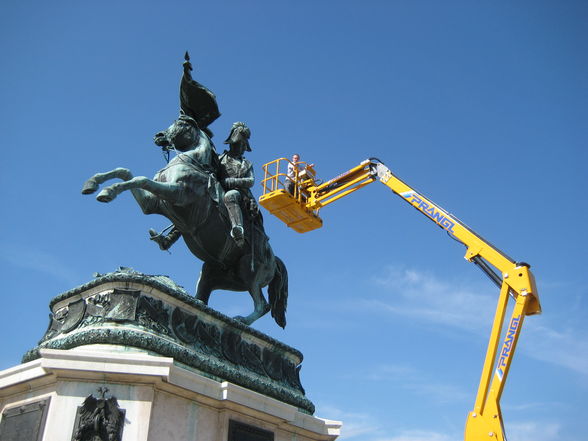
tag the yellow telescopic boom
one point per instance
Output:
(297, 199)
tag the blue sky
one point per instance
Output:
(481, 105)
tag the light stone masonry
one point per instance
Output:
(163, 400)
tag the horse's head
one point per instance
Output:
(186, 137)
(182, 135)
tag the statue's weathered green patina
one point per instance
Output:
(152, 314)
(207, 198)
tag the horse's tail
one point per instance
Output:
(278, 293)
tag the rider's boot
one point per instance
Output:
(165, 242)
(236, 217)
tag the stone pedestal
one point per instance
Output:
(130, 357)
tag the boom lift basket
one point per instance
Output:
(290, 208)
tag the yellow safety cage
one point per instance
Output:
(286, 196)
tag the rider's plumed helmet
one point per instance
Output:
(239, 133)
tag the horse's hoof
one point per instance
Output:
(90, 186)
(105, 196)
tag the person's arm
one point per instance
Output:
(246, 181)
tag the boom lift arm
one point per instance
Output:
(299, 210)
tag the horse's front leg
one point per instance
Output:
(145, 199)
(176, 194)
(91, 185)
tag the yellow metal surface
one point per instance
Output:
(285, 207)
(321, 195)
(485, 421)
(298, 211)
(481, 428)
(290, 208)
(520, 279)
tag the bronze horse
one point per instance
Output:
(187, 192)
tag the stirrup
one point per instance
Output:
(162, 241)
(238, 235)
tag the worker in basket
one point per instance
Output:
(297, 169)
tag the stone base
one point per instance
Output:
(134, 311)
(157, 398)
(133, 357)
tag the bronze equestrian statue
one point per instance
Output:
(207, 198)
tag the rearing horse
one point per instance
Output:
(189, 195)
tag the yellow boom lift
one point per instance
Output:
(299, 208)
